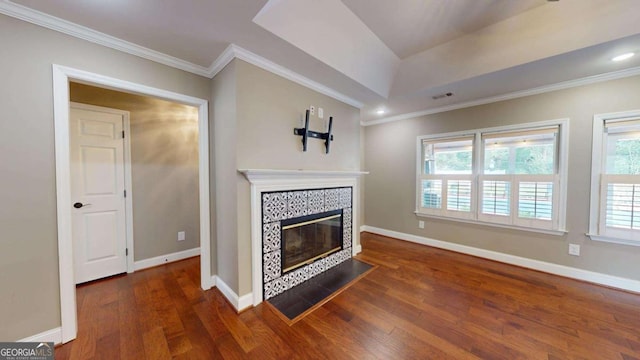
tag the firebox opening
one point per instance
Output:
(308, 238)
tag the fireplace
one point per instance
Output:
(304, 233)
(280, 195)
(309, 238)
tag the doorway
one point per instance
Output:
(61, 78)
(100, 168)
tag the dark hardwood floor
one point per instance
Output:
(420, 303)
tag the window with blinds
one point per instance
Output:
(459, 195)
(519, 174)
(623, 206)
(496, 197)
(446, 177)
(617, 168)
(508, 176)
(535, 200)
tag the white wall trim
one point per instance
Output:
(239, 303)
(282, 71)
(81, 32)
(61, 77)
(245, 301)
(555, 269)
(223, 60)
(165, 259)
(231, 52)
(512, 95)
(53, 335)
(597, 205)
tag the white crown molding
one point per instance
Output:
(231, 52)
(551, 268)
(223, 60)
(66, 27)
(513, 95)
(263, 63)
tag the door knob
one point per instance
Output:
(78, 205)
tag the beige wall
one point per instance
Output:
(223, 114)
(29, 299)
(267, 109)
(164, 168)
(390, 155)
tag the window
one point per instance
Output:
(615, 178)
(509, 176)
(447, 176)
(518, 177)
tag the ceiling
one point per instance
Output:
(391, 55)
(412, 26)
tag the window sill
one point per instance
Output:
(503, 226)
(613, 240)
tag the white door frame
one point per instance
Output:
(61, 77)
(128, 183)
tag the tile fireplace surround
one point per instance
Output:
(284, 194)
(282, 205)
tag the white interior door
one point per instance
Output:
(97, 193)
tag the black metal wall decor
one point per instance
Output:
(306, 133)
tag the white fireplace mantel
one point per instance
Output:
(265, 180)
(266, 175)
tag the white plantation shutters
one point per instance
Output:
(519, 176)
(509, 176)
(622, 209)
(459, 195)
(535, 199)
(446, 177)
(496, 197)
(618, 196)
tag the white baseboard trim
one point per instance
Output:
(555, 269)
(165, 259)
(245, 301)
(357, 249)
(238, 303)
(53, 335)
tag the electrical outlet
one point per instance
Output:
(181, 235)
(320, 113)
(574, 249)
(421, 224)
(312, 110)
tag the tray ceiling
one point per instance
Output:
(394, 55)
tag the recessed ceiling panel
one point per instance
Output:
(330, 32)
(412, 26)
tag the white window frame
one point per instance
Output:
(557, 226)
(597, 208)
(444, 178)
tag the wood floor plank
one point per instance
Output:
(420, 303)
(155, 344)
(303, 340)
(239, 330)
(341, 337)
